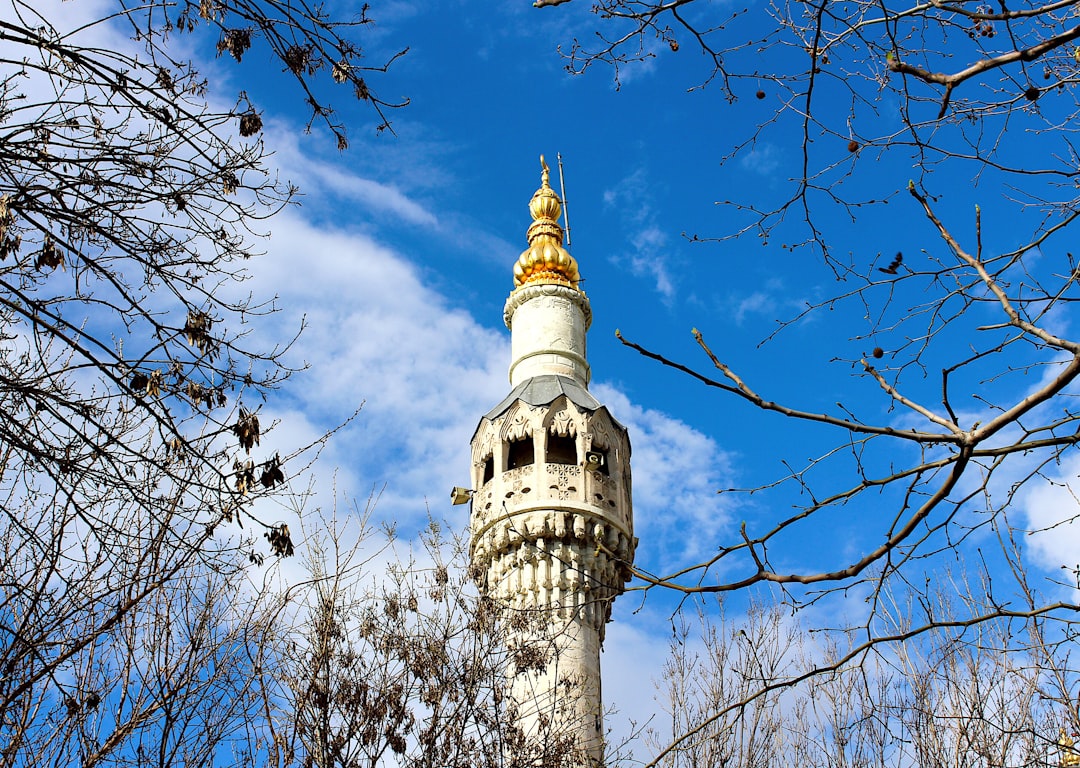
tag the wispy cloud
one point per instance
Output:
(756, 302)
(376, 333)
(649, 250)
(677, 473)
(763, 159)
(649, 261)
(376, 196)
(1053, 515)
(329, 181)
(773, 300)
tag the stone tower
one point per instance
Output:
(552, 537)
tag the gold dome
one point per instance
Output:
(545, 260)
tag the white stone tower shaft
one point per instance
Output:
(552, 521)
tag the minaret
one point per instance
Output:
(552, 525)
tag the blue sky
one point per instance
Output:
(400, 255)
(398, 259)
(441, 208)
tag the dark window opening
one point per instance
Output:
(520, 453)
(561, 450)
(489, 469)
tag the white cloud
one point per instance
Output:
(756, 302)
(376, 333)
(380, 197)
(91, 20)
(1052, 508)
(339, 185)
(631, 196)
(763, 159)
(677, 472)
(650, 253)
(650, 261)
(773, 301)
(632, 665)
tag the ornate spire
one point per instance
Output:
(545, 260)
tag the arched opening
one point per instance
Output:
(489, 470)
(519, 453)
(561, 449)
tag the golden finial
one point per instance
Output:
(1067, 750)
(545, 260)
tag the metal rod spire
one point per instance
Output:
(562, 193)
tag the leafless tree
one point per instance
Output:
(964, 359)
(130, 201)
(170, 681)
(981, 694)
(395, 659)
(920, 307)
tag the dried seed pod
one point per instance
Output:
(250, 124)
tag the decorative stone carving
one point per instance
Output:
(517, 425)
(563, 423)
(522, 295)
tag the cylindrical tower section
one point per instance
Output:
(554, 675)
(547, 325)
